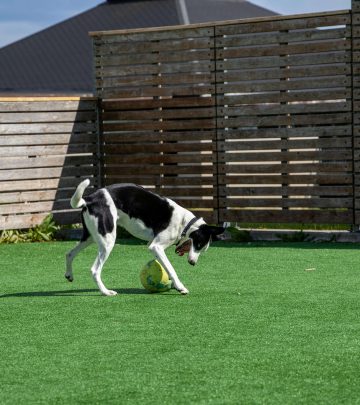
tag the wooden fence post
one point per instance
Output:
(355, 37)
(100, 161)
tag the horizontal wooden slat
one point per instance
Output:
(142, 115)
(40, 139)
(156, 148)
(149, 169)
(46, 161)
(261, 168)
(47, 117)
(31, 220)
(303, 108)
(283, 37)
(288, 73)
(156, 180)
(47, 150)
(114, 160)
(160, 125)
(156, 69)
(287, 202)
(312, 47)
(143, 104)
(160, 80)
(151, 91)
(298, 143)
(286, 190)
(187, 192)
(297, 22)
(326, 179)
(13, 104)
(162, 33)
(47, 128)
(21, 221)
(35, 196)
(276, 156)
(150, 58)
(288, 216)
(147, 46)
(194, 204)
(285, 97)
(283, 61)
(50, 172)
(309, 119)
(34, 207)
(40, 184)
(295, 84)
(163, 136)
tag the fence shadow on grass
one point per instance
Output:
(73, 293)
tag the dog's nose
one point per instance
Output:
(192, 262)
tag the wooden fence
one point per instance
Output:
(47, 145)
(242, 121)
(246, 121)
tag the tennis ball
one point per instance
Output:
(154, 278)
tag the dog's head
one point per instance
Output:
(198, 242)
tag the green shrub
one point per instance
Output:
(45, 232)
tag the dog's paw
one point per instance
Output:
(183, 291)
(69, 277)
(110, 293)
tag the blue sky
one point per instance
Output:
(20, 18)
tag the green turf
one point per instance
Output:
(258, 327)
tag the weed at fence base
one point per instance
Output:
(45, 232)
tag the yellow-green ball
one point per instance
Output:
(154, 278)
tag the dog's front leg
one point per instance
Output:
(159, 252)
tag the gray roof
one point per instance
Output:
(217, 10)
(59, 59)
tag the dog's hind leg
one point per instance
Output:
(70, 256)
(105, 246)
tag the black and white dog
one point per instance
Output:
(147, 216)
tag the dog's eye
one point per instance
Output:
(199, 246)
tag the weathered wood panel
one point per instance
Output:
(47, 145)
(261, 110)
(285, 120)
(158, 113)
(356, 104)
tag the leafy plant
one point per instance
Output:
(44, 232)
(12, 236)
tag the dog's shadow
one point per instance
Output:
(74, 293)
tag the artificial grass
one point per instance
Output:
(258, 327)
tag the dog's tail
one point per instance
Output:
(76, 200)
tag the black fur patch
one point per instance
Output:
(205, 234)
(86, 234)
(96, 205)
(200, 237)
(154, 211)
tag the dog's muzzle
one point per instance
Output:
(183, 248)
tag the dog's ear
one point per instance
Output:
(215, 231)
